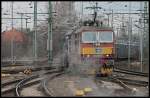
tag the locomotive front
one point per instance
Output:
(97, 46)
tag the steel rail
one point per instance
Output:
(25, 80)
(118, 81)
(122, 83)
(21, 70)
(8, 84)
(130, 81)
(45, 81)
(131, 72)
(133, 82)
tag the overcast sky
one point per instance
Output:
(23, 7)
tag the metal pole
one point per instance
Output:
(12, 54)
(141, 38)
(21, 22)
(26, 24)
(82, 8)
(82, 11)
(145, 32)
(12, 15)
(117, 41)
(50, 34)
(117, 33)
(131, 30)
(35, 31)
(129, 34)
(112, 19)
(51, 48)
(108, 20)
(48, 45)
(6, 28)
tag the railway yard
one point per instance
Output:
(79, 49)
(52, 81)
(56, 83)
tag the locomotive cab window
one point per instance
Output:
(105, 36)
(88, 37)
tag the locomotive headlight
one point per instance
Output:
(107, 55)
(88, 56)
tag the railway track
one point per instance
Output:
(10, 85)
(10, 65)
(128, 90)
(47, 90)
(33, 70)
(13, 70)
(133, 82)
(121, 83)
(130, 72)
(132, 77)
(34, 79)
(130, 81)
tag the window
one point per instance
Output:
(105, 36)
(88, 37)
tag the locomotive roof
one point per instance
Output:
(80, 29)
(92, 28)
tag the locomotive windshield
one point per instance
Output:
(88, 37)
(105, 36)
(92, 37)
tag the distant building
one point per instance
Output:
(13, 41)
(14, 35)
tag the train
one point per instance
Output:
(91, 47)
(122, 51)
(96, 46)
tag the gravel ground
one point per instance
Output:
(140, 90)
(67, 85)
(32, 91)
(8, 95)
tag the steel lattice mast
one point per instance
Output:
(129, 34)
(35, 31)
(50, 34)
(12, 40)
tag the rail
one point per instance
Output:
(24, 81)
(45, 81)
(130, 72)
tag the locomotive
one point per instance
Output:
(91, 46)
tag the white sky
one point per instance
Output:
(23, 7)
